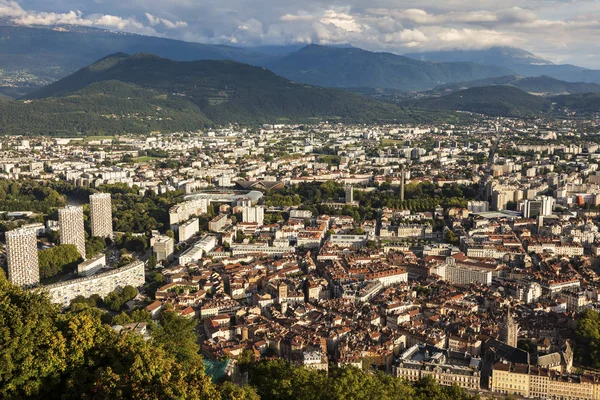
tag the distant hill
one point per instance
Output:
(352, 67)
(497, 55)
(539, 85)
(31, 57)
(144, 92)
(519, 61)
(504, 101)
(584, 103)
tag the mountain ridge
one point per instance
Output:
(143, 93)
(353, 67)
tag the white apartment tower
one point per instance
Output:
(101, 215)
(22, 254)
(70, 222)
(253, 214)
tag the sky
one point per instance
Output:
(563, 31)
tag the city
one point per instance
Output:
(468, 254)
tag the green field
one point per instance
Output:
(145, 159)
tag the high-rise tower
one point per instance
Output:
(70, 221)
(509, 330)
(22, 254)
(402, 179)
(349, 194)
(101, 215)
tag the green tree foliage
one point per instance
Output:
(29, 195)
(48, 355)
(279, 380)
(117, 298)
(139, 315)
(94, 246)
(230, 391)
(58, 259)
(587, 350)
(176, 335)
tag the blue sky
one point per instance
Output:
(562, 31)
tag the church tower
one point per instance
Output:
(509, 330)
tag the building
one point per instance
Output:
(70, 221)
(464, 275)
(183, 211)
(541, 206)
(101, 215)
(22, 255)
(478, 206)
(101, 284)
(499, 200)
(162, 246)
(274, 251)
(543, 383)
(196, 252)
(188, 229)
(218, 223)
(253, 215)
(349, 194)
(91, 266)
(509, 330)
(446, 367)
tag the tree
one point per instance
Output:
(115, 299)
(94, 245)
(231, 391)
(58, 259)
(175, 334)
(152, 261)
(49, 355)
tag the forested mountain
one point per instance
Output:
(505, 101)
(352, 67)
(541, 85)
(34, 56)
(144, 92)
(31, 57)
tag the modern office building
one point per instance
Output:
(101, 215)
(21, 251)
(70, 221)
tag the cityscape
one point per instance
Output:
(413, 250)
(305, 201)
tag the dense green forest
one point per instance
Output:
(47, 354)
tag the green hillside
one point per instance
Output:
(540, 85)
(143, 93)
(505, 101)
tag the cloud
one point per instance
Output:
(12, 10)
(154, 21)
(562, 30)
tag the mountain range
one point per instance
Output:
(143, 93)
(519, 61)
(541, 85)
(31, 57)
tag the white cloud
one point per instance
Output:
(154, 21)
(565, 30)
